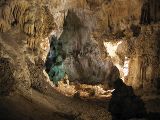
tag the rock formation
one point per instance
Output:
(102, 40)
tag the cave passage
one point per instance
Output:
(79, 59)
(54, 61)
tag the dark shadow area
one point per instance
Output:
(54, 61)
(150, 12)
(124, 104)
(153, 116)
(136, 30)
(51, 57)
(145, 14)
(54, 52)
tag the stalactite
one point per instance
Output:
(35, 21)
(29, 28)
(6, 14)
(4, 26)
(33, 43)
(38, 25)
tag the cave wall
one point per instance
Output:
(24, 25)
(139, 27)
(7, 80)
(82, 37)
(144, 59)
(82, 27)
(31, 18)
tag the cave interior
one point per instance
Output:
(79, 60)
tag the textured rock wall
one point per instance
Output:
(144, 63)
(15, 74)
(32, 18)
(82, 27)
(7, 80)
(23, 26)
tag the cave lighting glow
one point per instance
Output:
(111, 49)
(126, 67)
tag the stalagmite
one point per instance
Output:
(108, 49)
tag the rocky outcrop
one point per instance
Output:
(84, 60)
(124, 104)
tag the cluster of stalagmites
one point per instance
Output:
(32, 19)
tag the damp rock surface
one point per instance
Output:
(101, 40)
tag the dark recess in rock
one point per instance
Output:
(136, 30)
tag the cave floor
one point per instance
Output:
(56, 106)
(37, 106)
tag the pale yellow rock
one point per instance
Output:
(29, 28)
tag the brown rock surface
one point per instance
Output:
(102, 40)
